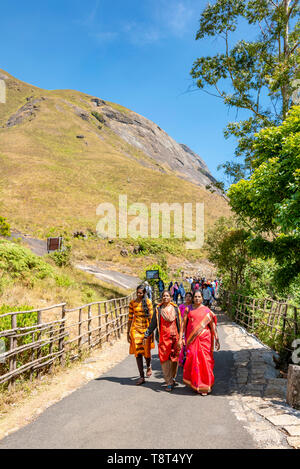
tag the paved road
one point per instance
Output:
(39, 247)
(111, 412)
(112, 276)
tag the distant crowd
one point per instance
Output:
(208, 289)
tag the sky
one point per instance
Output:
(137, 53)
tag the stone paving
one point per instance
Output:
(258, 392)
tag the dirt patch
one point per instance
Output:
(51, 389)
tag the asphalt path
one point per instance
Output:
(111, 412)
(111, 276)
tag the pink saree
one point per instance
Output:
(199, 364)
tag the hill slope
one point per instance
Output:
(63, 152)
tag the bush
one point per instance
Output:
(4, 227)
(62, 258)
(19, 262)
(98, 116)
(23, 320)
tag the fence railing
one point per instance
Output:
(32, 341)
(276, 323)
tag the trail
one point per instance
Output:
(111, 412)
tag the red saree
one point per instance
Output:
(199, 364)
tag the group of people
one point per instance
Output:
(186, 335)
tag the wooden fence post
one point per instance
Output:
(284, 324)
(51, 346)
(13, 343)
(39, 336)
(89, 324)
(117, 313)
(99, 323)
(61, 342)
(79, 329)
(106, 321)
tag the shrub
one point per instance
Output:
(4, 227)
(62, 258)
(98, 116)
(20, 262)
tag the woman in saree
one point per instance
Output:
(200, 329)
(167, 320)
(185, 307)
(140, 314)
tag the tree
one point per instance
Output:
(270, 199)
(257, 76)
(226, 244)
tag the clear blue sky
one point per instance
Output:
(137, 53)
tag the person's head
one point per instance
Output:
(142, 296)
(188, 299)
(140, 291)
(166, 297)
(197, 298)
(204, 285)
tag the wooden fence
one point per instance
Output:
(276, 323)
(31, 348)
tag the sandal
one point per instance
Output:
(140, 381)
(149, 372)
(169, 387)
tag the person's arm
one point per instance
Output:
(213, 328)
(183, 327)
(152, 327)
(130, 319)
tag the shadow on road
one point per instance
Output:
(223, 363)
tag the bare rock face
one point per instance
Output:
(157, 144)
(26, 112)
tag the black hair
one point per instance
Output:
(144, 300)
(196, 291)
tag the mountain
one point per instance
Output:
(62, 152)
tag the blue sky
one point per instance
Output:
(135, 53)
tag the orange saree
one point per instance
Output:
(199, 364)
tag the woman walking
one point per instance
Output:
(167, 320)
(185, 308)
(140, 314)
(200, 329)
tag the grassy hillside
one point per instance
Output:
(51, 182)
(29, 280)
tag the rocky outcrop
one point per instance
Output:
(157, 144)
(26, 112)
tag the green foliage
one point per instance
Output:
(4, 227)
(227, 249)
(270, 198)
(162, 267)
(19, 262)
(265, 66)
(98, 116)
(23, 320)
(170, 245)
(62, 258)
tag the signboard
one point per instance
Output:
(152, 274)
(54, 244)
